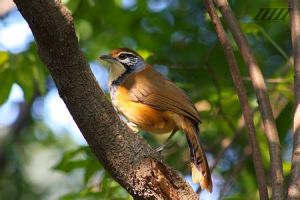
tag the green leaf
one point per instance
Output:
(40, 78)
(72, 4)
(6, 82)
(286, 168)
(74, 159)
(4, 56)
(92, 167)
(70, 165)
(24, 75)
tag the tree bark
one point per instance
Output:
(294, 186)
(128, 158)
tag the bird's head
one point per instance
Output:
(123, 61)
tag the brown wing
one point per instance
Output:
(151, 88)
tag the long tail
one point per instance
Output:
(200, 169)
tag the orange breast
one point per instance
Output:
(144, 116)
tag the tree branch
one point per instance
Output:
(294, 187)
(263, 99)
(124, 154)
(241, 91)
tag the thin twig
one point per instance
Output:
(294, 187)
(263, 99)
(272, 80)
(241, 91)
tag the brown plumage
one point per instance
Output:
(147, 99)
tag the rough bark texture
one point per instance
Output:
(124, 154)
(260, 88)
(294, 187)
(241, 91)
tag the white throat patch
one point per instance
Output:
(115, 71)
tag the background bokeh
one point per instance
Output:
(43, 154)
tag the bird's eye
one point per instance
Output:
(122, 56)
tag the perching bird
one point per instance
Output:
(154, 104)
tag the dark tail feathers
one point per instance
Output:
(200, 169)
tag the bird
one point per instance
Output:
(154, 104)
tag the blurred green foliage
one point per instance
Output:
(179, 38)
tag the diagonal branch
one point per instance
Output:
(263, 99)
(294, 187)
(124, 154)
(241, 91)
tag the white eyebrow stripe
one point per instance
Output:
(125, 52)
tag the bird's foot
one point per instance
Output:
(167, 143)
(132, 126)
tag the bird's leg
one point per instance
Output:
(132, 126)
(129, 124)
(167, 142)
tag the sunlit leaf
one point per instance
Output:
(4, 56)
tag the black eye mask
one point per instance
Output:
(128, 64)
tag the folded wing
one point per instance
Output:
(161, 94)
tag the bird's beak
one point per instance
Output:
(107, 58)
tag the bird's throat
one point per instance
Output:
(118, 72)
(115, 72)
